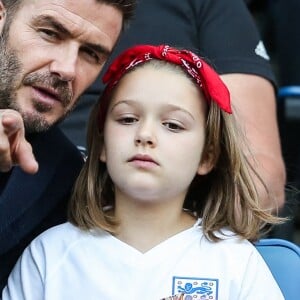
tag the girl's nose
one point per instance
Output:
(145, 137)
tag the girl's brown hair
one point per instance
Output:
(226, 197)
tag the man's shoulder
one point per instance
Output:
(55, 146)
(53, 138)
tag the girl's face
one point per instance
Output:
(154, 135)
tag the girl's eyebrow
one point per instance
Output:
(168, 107)
(59, 27)
(128, 102)
(172, 107)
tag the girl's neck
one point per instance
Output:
(145, 226)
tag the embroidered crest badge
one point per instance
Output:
(194, 288)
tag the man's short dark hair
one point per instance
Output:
(126, 7)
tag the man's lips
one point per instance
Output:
(48, 92)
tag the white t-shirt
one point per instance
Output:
(66, 263)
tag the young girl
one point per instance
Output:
(165, 207)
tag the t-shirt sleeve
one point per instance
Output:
(26, 279)
(258, 282)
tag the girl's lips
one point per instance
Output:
(143, 157)
(143, 161)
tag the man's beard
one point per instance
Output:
(11, 79)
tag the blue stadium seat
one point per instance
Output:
(283, 259)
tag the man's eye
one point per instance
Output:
(92, 55)
(49, 34)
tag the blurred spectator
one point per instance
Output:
(279, 23)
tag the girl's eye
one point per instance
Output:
(173, 126)
(127, 120)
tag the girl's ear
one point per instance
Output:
(103, 155)
(207, 163)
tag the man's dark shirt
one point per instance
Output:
(30, 204)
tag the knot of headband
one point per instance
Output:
(208, 80)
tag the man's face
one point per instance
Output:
(54, 50)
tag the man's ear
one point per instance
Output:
(2, 16)
(103, 155)
(207, 163)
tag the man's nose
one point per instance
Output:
(64, 63)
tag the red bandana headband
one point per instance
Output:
(208, 80)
